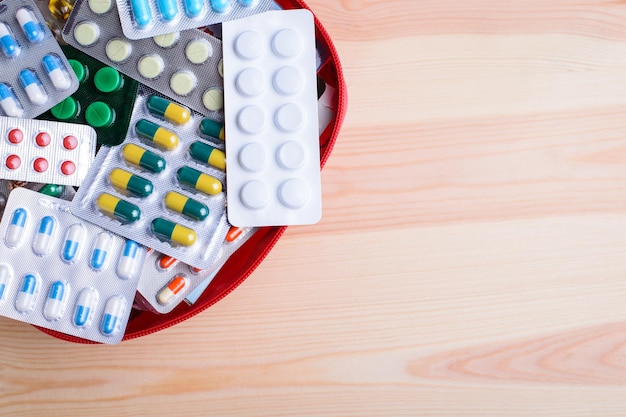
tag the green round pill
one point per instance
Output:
(107, 80)
(98, 114)
(66, 109)
(79, 69)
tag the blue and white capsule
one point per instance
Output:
(129, 261)
(73, 243)
(112, 317)
(6, 273)
(44, 237)
(101, 249)
(85, 305)
(9, 103)
(56, 72)
(55, 303)
(15, 230)
(220, 6)
(193, 8)
(31, 84)
(8, 44)
(25, 300)
(31, 28)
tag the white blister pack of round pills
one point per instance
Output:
(163, 185)
(45, 151)
(65, 274)
(271, 120)
(35, 74)
(184, 66)
(145, 18)
(165, 282)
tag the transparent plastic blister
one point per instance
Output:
(45, 151)
(165, 282)
(182, 66)
(163, 185)
(64, 274)
(35, 74)
(145, 18)
(270, 83)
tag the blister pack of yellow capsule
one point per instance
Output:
(163, 186)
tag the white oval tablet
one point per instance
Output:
(252, 157)
(251, 119)
(150, 66)
(118, 50)
(293, 193)
(254, 194)
(248, 45)
(289, 117)
(198, 51)
(167, 40)
(213, 99)
(286, 43)
(100, 6)
(183, 83)
(86, 33)
(291, 155)
(250, 82)
(288, 80)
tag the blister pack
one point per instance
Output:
(270, 85)
(46, 152)
(35, 74)
(163, 186)
(165, 282)
(145, 18)
(183, 65)
(104, 100)
(64, 274)
(53, 190)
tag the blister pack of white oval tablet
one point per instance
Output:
(145, 18)
(35, 74)
(165, 282)
(65, 274)
(163, 185)
(45, 151)
(183, 65)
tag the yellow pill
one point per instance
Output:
(174, 232)
(157, 134)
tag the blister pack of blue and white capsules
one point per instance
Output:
(184, 66)
(64, 274)
(146, 18)
(165, 282)
(163, 185)
(35, 74)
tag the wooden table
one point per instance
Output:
(471, 260)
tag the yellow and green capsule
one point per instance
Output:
(168, 110)
(212, 128)
(173, 232)
(137, 155)
(185, 205)
(198, 180)
(120, 209)
(207, 154)
(130, 182)
(156, 134)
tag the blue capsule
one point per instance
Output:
(56, 72)
(8, 44)
(168, 9)
(220, 6)
(73, 243)
(54, 304)
(6, 273)
(141, 12)
(84, 306)
(43, 238)
(112, 316)
(31, 84)
(26, 296)
(16, 227)
(100, 251)
(32, 29)
(8, 102)
(128, 265)
(193, 8)
(248, 3)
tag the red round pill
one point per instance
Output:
(70, 142)
(15, 136)
(68, 167)
(13, 162)
(40, 164)
(42, 139)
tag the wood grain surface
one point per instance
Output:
(471, 260)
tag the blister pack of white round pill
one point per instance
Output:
(271, 119)
(165, 282)
(163, 186)
(35, 74)
(65, 274)
(184, 66)
(146, 18)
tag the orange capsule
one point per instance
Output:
(234, 233)
(166, 262)
(195, 270)
(175, 286)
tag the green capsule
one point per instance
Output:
(137, 155)
(173, 232)
(207, 154)
(168, 110)
(120, 209)
(132, 183)
(157, 134)
(52, 190)
(185, 205)
(212, 128)
(198, 180)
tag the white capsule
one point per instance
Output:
(85, 306)
(129, 261)
(100, 253)
(53, 310)
(112, 316)
(43, 238)
(6, 273)
(25, 300)
(73, 243)
(15, 230)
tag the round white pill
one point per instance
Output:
(291, 155)
(183, 83)
(286, 43)
(289, 117)
(293, 193)
(254, 194)
(118, 50)
(249, 45)
(100, 6)
(288, 80)
(150, 66)
(252, 157)
(250, 82)
(198, 51)
(167, 40)
(251, 119)
(213, 99)
(86, 33)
